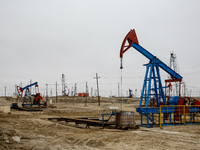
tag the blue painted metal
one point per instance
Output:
(153, 76)
(26, 87)
(113, 113)
(173, 100)
(165, 110)
(152, 73)
(28, 94)
(130, 93)
(34, 104)
(154, 92)
(154, 59)
(14, 105)
(149, 122)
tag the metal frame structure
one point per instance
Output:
(103, 120)
(88, 121)
(29, 102)
(152, 93)
(152, 71)
(172, 115)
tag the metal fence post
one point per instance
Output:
(160, 117)
(184, 113)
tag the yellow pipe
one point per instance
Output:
(160, 116)
(184, 113)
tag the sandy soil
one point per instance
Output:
(36, 132)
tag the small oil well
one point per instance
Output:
(31, 102)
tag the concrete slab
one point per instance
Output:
(5, 109)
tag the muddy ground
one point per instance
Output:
(34, 132)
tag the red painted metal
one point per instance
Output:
(197, 103)
(19, 90)
(170, 86)
(173, 80)
(83, 94)
(179, 110)
(38, 97)
(130, 37)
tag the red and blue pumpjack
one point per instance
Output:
(155, 91)
(37, 97)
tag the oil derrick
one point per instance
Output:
(75, 90)
(91, 91)
(72, 91)
(174, 65)
(63, 85)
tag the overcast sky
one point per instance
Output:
(41, 39)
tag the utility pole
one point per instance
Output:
(56, 93)
(5, 91)
(135, 92)
(97, 88)
(118, 91)
(91, 91)
(15, 89)
(30, 87)
(62, 84)
(86, 95)
(47, 92)
(95, 93)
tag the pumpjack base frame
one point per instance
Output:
(150, 114)
(33, 105)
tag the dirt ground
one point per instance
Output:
(35, 132)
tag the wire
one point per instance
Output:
(121, 90)
(82, 77)
(191, 67)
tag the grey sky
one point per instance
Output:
(40, 40)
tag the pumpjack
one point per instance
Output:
(27, 101)
(152, 90)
